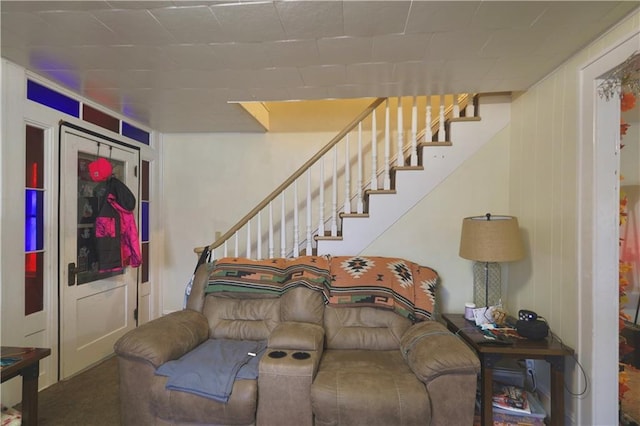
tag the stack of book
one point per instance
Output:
(514, 406)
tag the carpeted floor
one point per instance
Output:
(88, 399)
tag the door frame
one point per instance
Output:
(597, 245)
(59, 250)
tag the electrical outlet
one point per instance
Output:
(530, 365)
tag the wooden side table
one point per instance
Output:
(27, 366)
(548, 349)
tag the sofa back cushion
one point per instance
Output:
(245, 318)
(363, 328)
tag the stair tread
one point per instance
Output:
(327, 237)
(407, 168)
(363, 215)
(380, 191)
(464, 119)
(445, 143)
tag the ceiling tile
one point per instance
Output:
(291, 53)
(193, 56)
(278, 77)
(324, 75)
(437, 16)
(393, 48)
(492, 15)
(370, 72)
(457, 44)
(195, 24)
(344, 50)
(246, 55)
(299, 19)
(511, 42)
(135, 26)
(249, 21)
(82, 22)
(369, 18)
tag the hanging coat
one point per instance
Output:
(129, 241)
(117, 239)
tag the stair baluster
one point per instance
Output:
(441, 122)
(259, 236)
(400, 135)
(374, 152)
(334, 194)
(359, 204)
(386, 181)
(248, 248)
(283, 228)
(428, 132)
(414, 134)
(296, 224)
(309, 247)
(270, 229)
(346, 208)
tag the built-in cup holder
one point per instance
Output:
(277, 354)
(301, 355)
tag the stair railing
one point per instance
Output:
(346, 180)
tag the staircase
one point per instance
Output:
(367, 177)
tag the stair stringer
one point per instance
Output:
(413, 185)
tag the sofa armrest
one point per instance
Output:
(431, 350)
(298, 336)
(165, 338)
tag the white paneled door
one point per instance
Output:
(96, 305)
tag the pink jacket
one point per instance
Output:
(129, 241)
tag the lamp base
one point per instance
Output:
(486, 281)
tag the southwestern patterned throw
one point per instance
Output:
(350, 281)
(269, 276)
(406, 287)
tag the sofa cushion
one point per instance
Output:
(242, 319)
(181, 407)
(360, 387)
(363, 328)
(396, 284)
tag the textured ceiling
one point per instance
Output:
(176, 65)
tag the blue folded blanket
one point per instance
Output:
(210, 369)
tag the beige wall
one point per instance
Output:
(212, 181)
(429, 234)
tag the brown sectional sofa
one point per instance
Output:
(335, 354)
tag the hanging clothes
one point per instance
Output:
(118, 244)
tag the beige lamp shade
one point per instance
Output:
(496, 239)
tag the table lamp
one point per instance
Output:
(488, 240)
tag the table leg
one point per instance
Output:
(557, 389)
(486, 405)
(30, 394)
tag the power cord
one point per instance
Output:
(575, 358)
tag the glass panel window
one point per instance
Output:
(145, 263)
(144, 206)
(145, 220)
(33, 282)
(43, 95)
(145, 181)
(34, 170)
(95, 116)
(135, 133)
(34, 221)
(91, 198)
